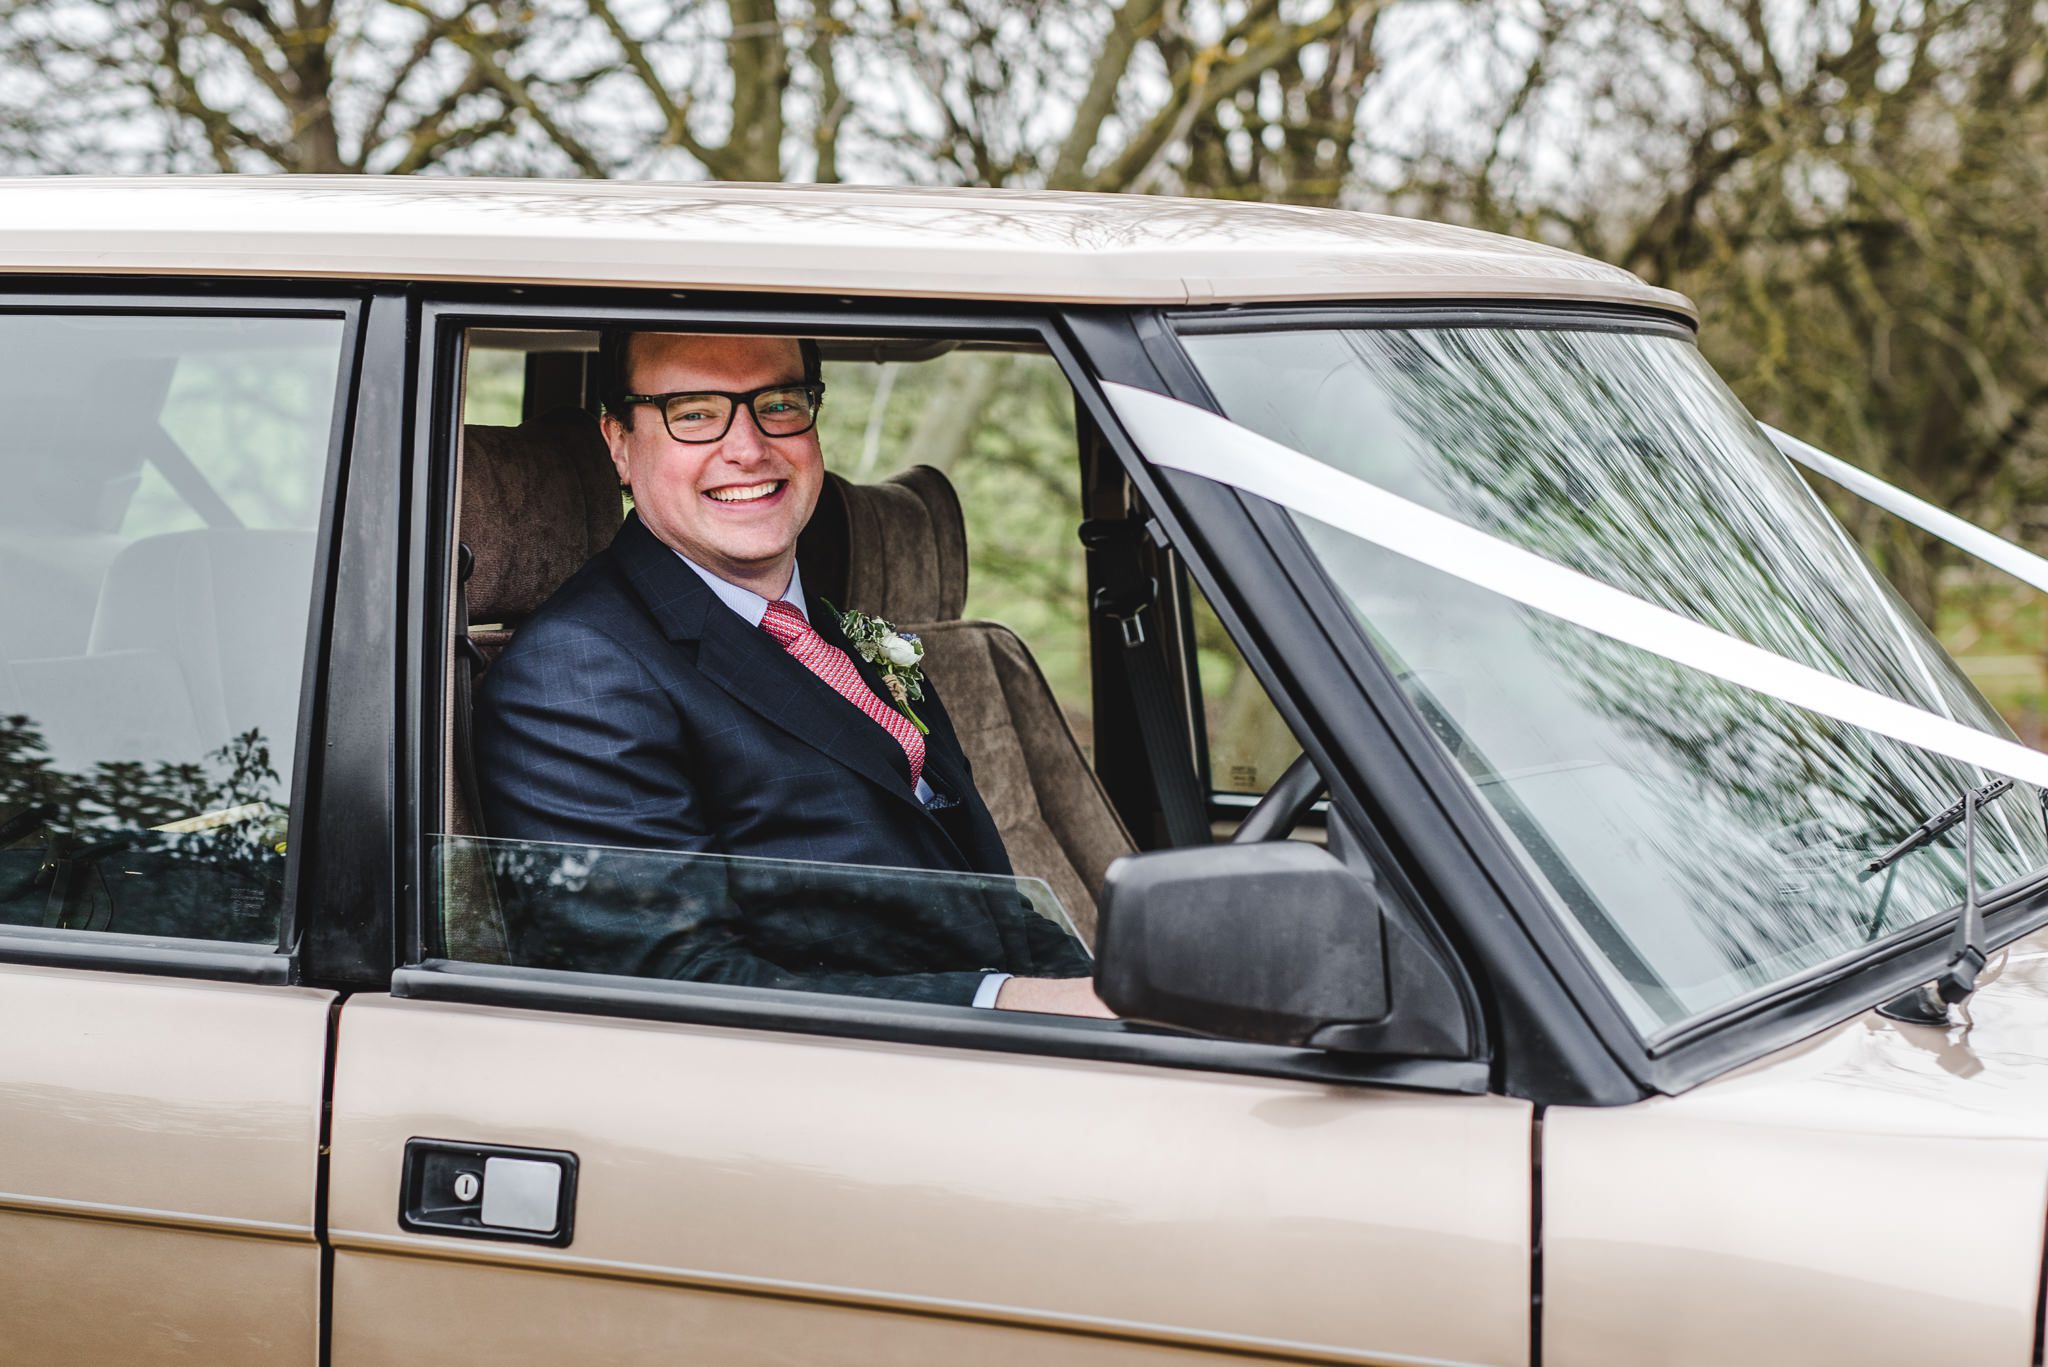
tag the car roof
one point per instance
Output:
(1039, 246)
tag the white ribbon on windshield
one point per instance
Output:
(1180, 436)
(1989, 547)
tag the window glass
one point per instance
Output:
(1249, 745)
(1704, 840)
(906, 934)
(163, 478)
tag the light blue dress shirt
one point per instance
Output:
(753, 607)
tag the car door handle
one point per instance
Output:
(488, 1191)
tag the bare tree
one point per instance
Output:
(1855, 192)
(260, 85)
(1244, 97)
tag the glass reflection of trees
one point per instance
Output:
(1704, 838)
(165, 848)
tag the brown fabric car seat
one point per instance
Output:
(898, 550)
(537, 501)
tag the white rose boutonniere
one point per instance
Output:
(896, 653)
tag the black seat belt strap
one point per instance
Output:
(1128, 596)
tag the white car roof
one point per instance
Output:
(849, 240)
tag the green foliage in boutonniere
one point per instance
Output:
(896, 653)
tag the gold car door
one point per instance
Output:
(748, 1195)
(157, 1167)
(163, 469)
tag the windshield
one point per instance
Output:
(1701, 839)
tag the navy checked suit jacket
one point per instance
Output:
(636, 710)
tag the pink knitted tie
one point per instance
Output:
(787, 625)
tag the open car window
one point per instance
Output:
(949, 509)
(956, 489)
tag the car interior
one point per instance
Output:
(1071, 774)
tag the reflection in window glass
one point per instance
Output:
(164, 478)
(1703, 840)
(909, 934)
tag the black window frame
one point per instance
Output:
(444, 316)
(227, 961)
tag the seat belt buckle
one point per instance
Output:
(1128, 590)
(1127, 610)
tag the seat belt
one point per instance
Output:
(1128, 596)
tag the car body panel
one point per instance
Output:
(748, 1196)
(1875, 1194)
(842, 240)
(157, 1168)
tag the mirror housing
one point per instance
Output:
(1273, 942)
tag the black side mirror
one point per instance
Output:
(1270, 942)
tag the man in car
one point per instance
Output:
(681, 692)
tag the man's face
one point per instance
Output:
(734, 505)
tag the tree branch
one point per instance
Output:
(1132, 23)
(1212, 75)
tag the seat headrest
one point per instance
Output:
(897, 549)
(538, 500)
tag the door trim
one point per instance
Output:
(957, 1027)
(106, 1212)
(112, 952)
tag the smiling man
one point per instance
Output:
(681, 693)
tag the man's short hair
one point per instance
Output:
(613, 344)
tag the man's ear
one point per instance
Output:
(615, 438)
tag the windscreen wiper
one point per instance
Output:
(1928, 1003)
(1935, 826)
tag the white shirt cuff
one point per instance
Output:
(985, 995)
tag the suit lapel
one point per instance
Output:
(941, 746)
(758, 673)
(748, 663)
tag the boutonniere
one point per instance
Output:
(896, 653)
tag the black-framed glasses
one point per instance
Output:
(705, 415)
